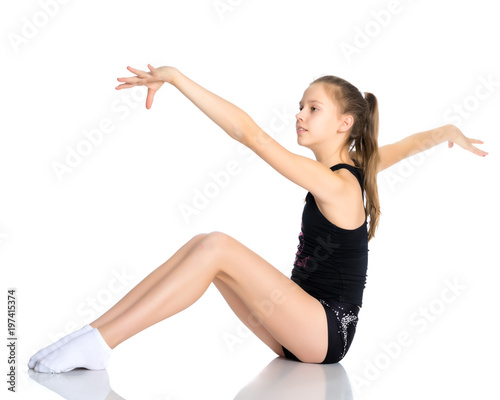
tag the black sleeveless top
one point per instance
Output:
(331, 262)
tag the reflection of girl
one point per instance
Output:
(313, 314)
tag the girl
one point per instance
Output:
(314, 313)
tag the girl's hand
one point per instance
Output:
(466, 143)
(153, 80)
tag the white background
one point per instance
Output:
(64, 241)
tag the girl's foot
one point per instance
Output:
(88, 351)
(54, 346)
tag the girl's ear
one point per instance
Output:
(346, 123)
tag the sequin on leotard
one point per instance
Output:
(345, 319)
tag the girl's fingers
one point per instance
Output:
(124, 86)
(149, 99)
(138, 72)
(466, 143)
(481, 153)
(477, 151)
(152, 69)
(474, 149)
(131, 79)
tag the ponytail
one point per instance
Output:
(362, 140)
(370, 156)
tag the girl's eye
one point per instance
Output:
(312, 108)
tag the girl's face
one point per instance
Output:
(319, 121)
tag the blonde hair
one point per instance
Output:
(363, 137)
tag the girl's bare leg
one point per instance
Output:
(272, 305)
(292, 317)
(245, 315)
(126, 302)
(238, 307)
(146, 284)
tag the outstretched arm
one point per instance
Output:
(392, 153)
(305, 172)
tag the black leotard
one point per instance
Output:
(331, 262)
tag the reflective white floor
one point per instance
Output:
(136, 371)
(206, 353)
(280, 379)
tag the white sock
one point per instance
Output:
(88, 351)
(54, 346)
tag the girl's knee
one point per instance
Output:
(199, 237)
(215, 240)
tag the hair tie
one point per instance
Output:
(362, 94)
